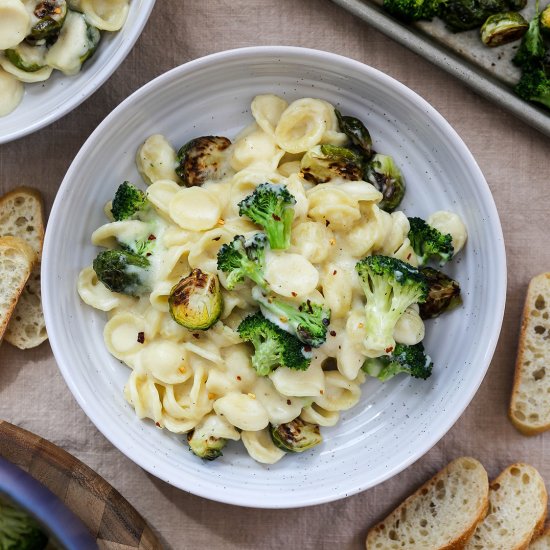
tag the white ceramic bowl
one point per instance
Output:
(45, 102)
(395, 423)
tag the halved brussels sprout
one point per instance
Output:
(207, 448)
(203, 158)
(357, 133)
(443, 293)
(27, 57)
(324, 162)
(48, 18)
(384, 174)
(296, 436)
(196, 301)
(502, 28)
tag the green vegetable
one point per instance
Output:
(206, 447)
(545, 20)
(390, 286)
(428, 242)
(463, 15)
(271, 206)
(534, 85)
(27, 57)
(128, 201)
(412, 10)
(443, 294)
(502, 28)
(408, 359)
(296, 436)
(384, 174)
(243, 258)
(196, 302)
(308, 322)
(18, 531)
(203, 159)
(357, 133)
(93, 36)
(48, 19)
(122, 271)
(325, 162)
(532, 50)
(273, 347)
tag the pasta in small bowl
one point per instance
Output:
(270, 281)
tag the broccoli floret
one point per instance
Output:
(412, 10)
(534, 85)
(273, 347)
(243, 258)
(128, 201)
(308, 322)
(271, 206)
(18, 531)
(122, 271)
(390, 286)
(463, 15)
(532, 48)
(409, 359)
(428, 242)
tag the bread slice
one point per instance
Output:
(517, 510)
(542, 542)
(441, 515)
(21, 215)
(530, 403)
(16, 262)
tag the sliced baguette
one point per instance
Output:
(542, 542)
(441, 515)
(21, 215)
(530, 404)
(16, 262)
(517, 510)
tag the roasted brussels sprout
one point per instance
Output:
(203, 158)
(123, 271)
(18, 531)
(26, 57)
(48, 18)
(93, 36)
(443, 293)
(296, 436)
(196, 302)
(324, 162)
(463, 15)
(502, 28)
(384, 174)
(206, 447)
(357, 133)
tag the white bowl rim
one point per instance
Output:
(90, 86)
(498, 259)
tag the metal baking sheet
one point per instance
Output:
(489, 71)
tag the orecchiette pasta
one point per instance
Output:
(203, 382)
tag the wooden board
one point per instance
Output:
(107, 514)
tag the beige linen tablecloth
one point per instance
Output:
(515, 160)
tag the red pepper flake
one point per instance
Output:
(307, 349)
(157, 424)
(288, 402)
(148, 254)
(151, 238)
(141, 337)
(327, 223)
(321, 392)
(275, 217)
(195, 335)
(409, 256)
(334, 272)
(294, 294)
(333, 333)
(216, 238)
(389, 350)
(239, 378)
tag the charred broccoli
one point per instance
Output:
(243, 258)
(324, 162)
(390, 286)
(122, 271)
(128, 201)
(463, 15)
(273, 347)
(443, 293)
(18, 531)
(357, 133)
(308, 322)
(296, 436)
(271, 206)
(428, 242)
(384, 174)
(412, 10)
(409, 359)
(534, 85)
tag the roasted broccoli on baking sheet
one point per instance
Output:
(203, 159)
(384, 174)
(428, 242)
(243, 258)
(390, 286)
(123, 271)
(296, 436)
(273, 347)
(271, 206)
(412, 10)
(325, 162)
(443, 293)
(307, 321)
(196, 302)
(18, 531)
(403, 359)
